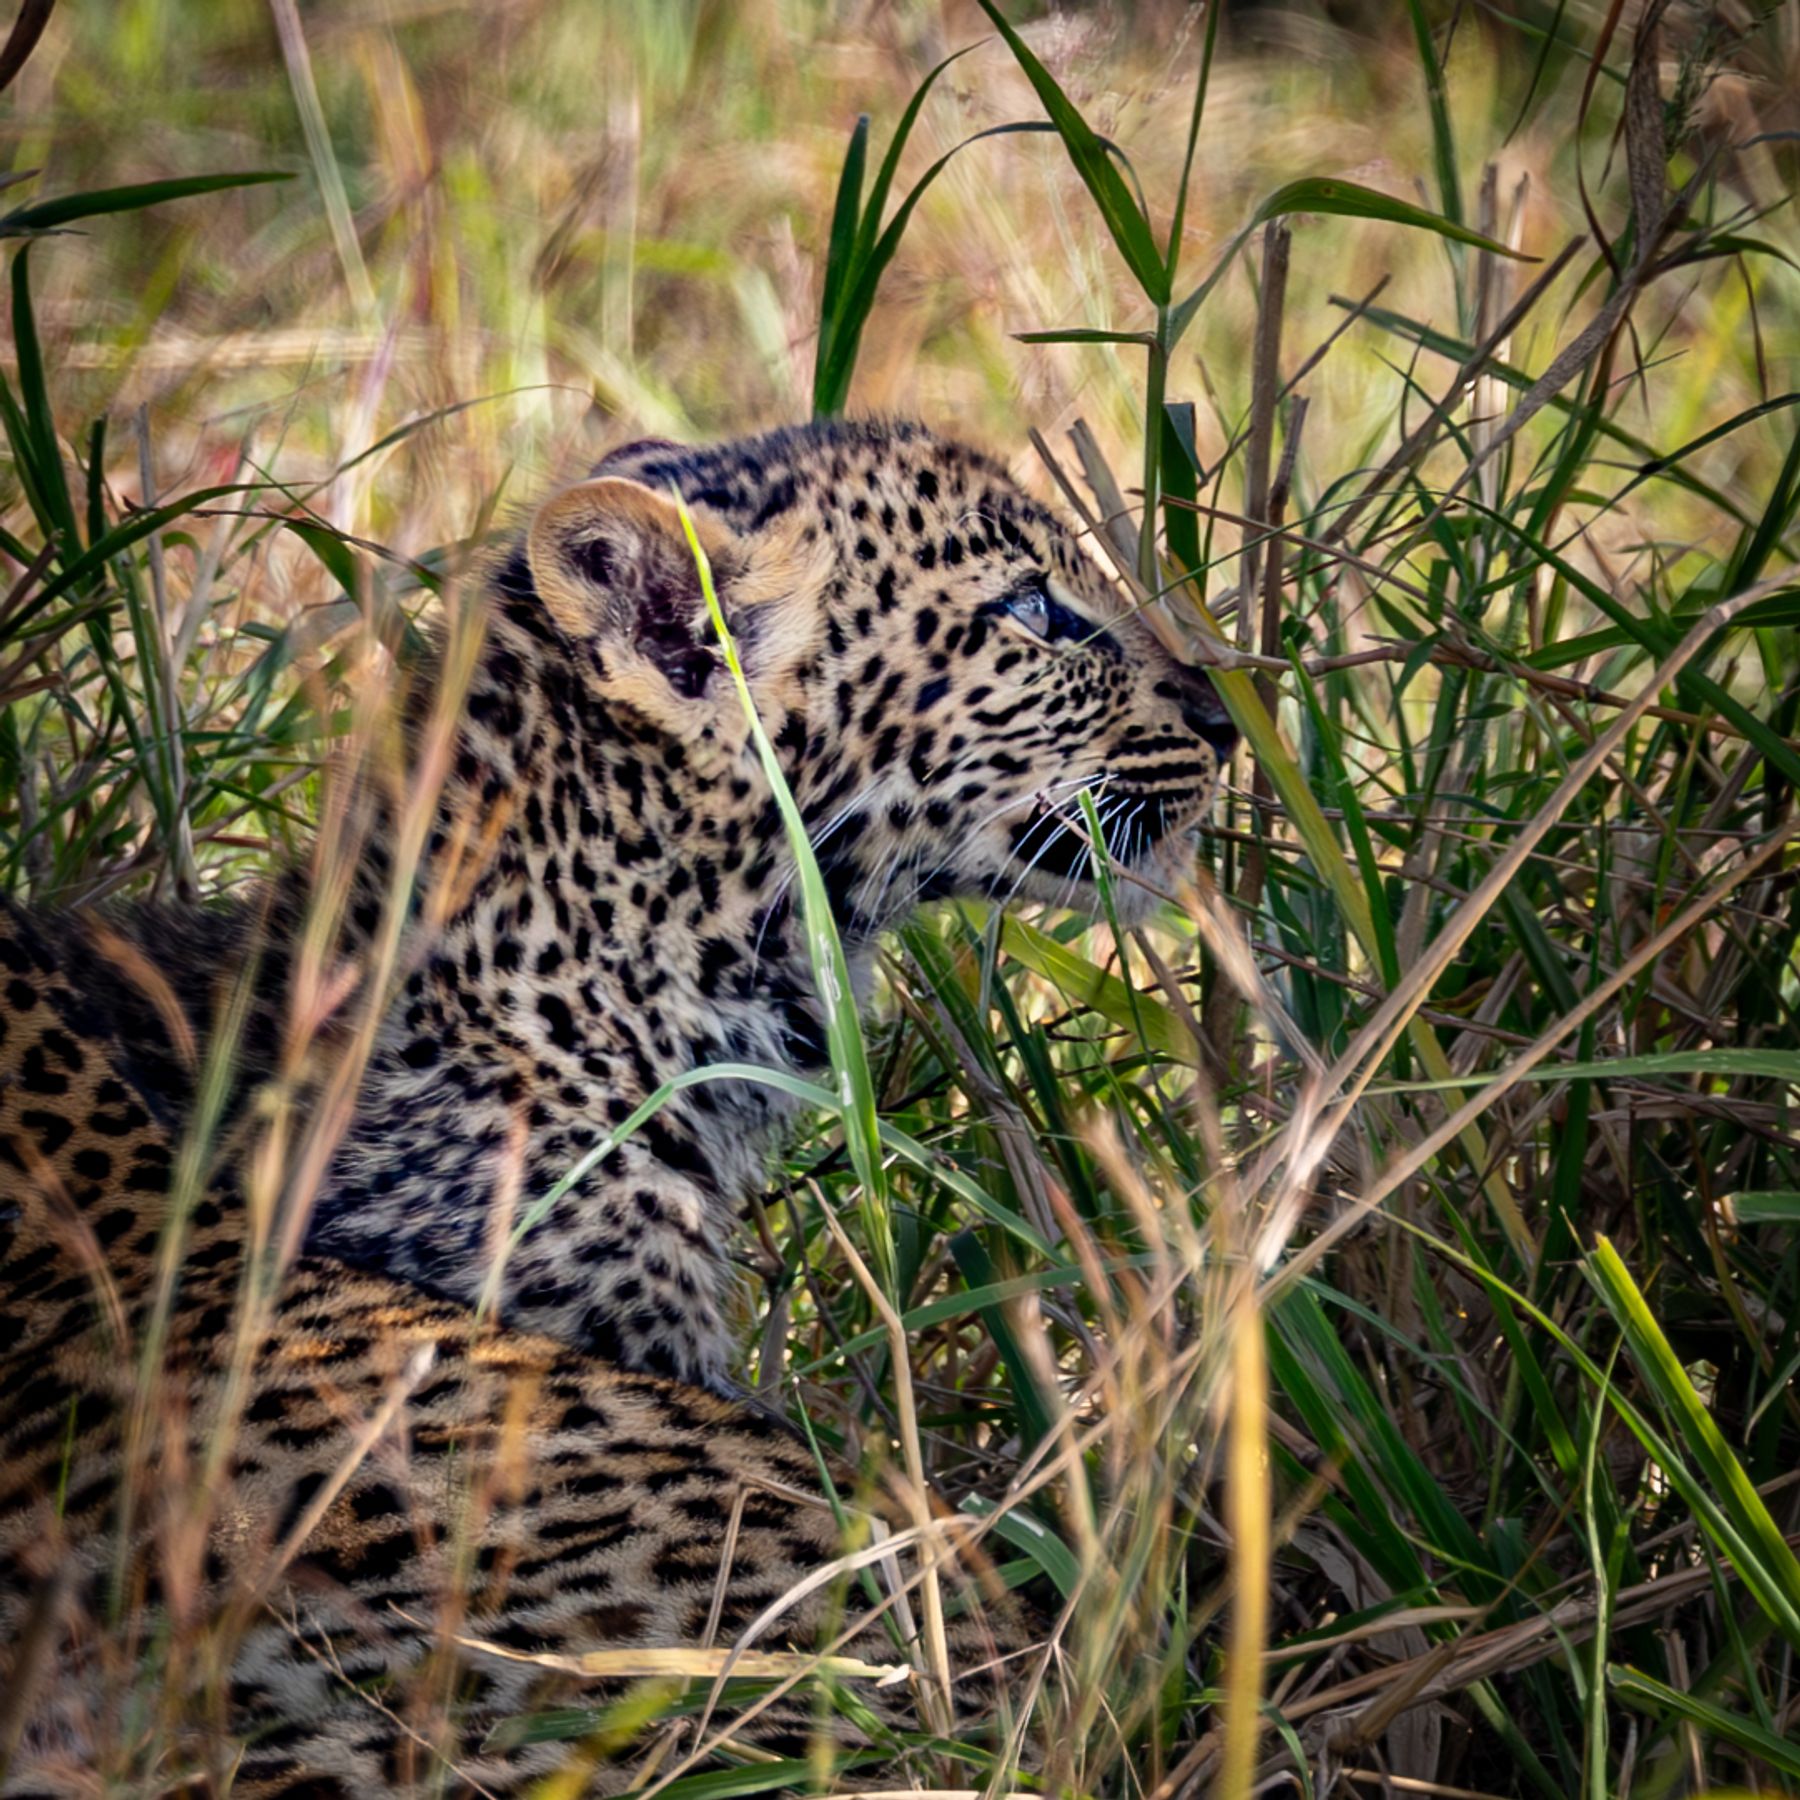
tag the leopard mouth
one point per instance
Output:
(1056, 840)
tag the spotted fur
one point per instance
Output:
(358, 1524)
(605, 902)
(637, 918)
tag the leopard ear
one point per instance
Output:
(614, 569)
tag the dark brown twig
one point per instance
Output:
(28, 27)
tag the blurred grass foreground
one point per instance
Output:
(1407, 1402)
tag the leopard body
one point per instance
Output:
(393, 1420)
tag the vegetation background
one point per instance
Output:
(1398, 1394)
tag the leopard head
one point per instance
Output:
(944, 670)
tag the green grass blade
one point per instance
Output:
(883, 184)
(1082, 335)
(1443, 140)
(50, 478)
(1036, 1412)
(1775, 1568)
(1771, 1065)
(1203, 80)
(1182, 473)
(1771, 1207)
(831, 970)
(1093, 162)
(855, 306)
(1648, 636)
(1646, 1694)
(48, 215)
(1024, 1532)
(855, 248)
(840, 260)
(120, 538)
(1089, 985)
(1347, 199)
(1308, 820)
(809, 1094)
(1362, 844)
(1777, 516)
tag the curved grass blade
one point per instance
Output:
(48, 215)
(1094, 164)
(855, 234)
(870, 224)
(1114, 1000)
(809, 1094)
(1081, 335)
(1775, 1568)
(1344, 199)
(840, 260)
(49, 481)
(1443, 140)
(27, 28)
(1770, 1065)
(1201, 82)
(855, 1103)
(1646, 1694)
(855, 306)
(122, 537)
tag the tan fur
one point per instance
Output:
(252, 1515)
(396, 1486)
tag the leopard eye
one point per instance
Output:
(1044, 616)
(1032, 609)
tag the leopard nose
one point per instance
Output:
(1202, 711)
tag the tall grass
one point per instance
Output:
(1365, 1303)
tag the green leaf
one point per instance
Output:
(825, 951)
(332, 550)
(1201, 82)
(1037, 1411)
(1094, 164)
(1146, 339)
(870, 224)
(1181, 475)
(839, 261)
(1459, 350)
(808, 1093)
(1024, 1532)
(1728, 244)
(1085, 982)
(47, 215)
(833, 385)
(1647, 1694)
(1443, 140)
(49, 479)
(1347, 199)
(1773, 1206)
(1381, 921)
(1773, 1065)
(121, 537)
(1658, 464)
(858, 250)
(796, 1776)
(1651, 637)
(1754, 1542)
